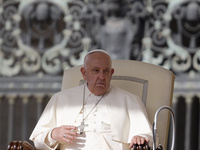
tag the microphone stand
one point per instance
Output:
(154, 128)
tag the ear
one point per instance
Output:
(112, 71)
(83, 71)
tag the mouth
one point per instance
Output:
(101, 84)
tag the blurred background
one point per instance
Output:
(41, 38)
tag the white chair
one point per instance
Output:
(153, 84)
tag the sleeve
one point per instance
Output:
(139, 121)
(44, 126)
(49, 141)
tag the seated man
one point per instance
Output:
(95, 115)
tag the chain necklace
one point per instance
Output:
(82, 111)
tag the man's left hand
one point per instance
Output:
(138, 140)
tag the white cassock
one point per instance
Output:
(118, 117)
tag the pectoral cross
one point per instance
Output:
(82, 126)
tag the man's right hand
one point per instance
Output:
(64, 133)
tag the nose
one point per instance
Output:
(102, 75)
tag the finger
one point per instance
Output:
(131, 144)
(133, 141)
(68, 138)
(147, 139)
(142, 141)
(138, 141)
(72, 132)
(70, 127)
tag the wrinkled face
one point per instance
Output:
(98, 72)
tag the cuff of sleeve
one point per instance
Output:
(50, 140)
(41, 141)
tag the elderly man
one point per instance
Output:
(95, 115)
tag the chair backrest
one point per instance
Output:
(153, 84)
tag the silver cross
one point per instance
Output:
(82, 126)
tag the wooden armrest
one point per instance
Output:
(20, 145)
(144, 146)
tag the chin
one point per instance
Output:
(100, 91)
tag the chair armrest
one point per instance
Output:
(20, 145)
(145, 146)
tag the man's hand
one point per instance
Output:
(138, 140)
(64, 133)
